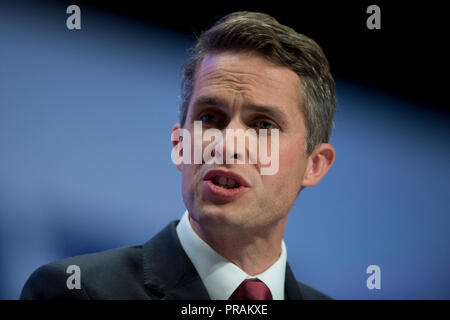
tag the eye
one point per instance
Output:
(212, 119)
(208, 118)
(264, 124)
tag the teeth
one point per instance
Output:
(225, 182)
(230, 183)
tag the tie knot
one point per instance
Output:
(252, 289)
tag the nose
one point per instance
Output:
(233, 147)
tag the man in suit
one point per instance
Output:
(246, 72)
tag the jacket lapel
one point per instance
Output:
(170, 275)
(168, 271)
(292, 290)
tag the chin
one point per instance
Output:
(219, 212)
(222, 216)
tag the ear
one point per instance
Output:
(177, 143)
(320, 160)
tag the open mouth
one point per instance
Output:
(225, 179)
(225, 182)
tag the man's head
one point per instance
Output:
(260, 33)
(249, 71)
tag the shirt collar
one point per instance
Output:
(220, 276)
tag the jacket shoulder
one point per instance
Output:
(310, 293)
(99, 272)
(49, 282)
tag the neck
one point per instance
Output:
(252, 251)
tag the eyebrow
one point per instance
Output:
(271, 111)
(207, 100)
(274, 112)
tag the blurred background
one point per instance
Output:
(86, 118)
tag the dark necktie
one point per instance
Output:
(251, 289)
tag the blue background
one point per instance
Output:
(85, 124)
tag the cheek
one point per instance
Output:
(191, 177)
(188, 186)
(281, 189)
(187, 177)
(292, 165)
(184, 181)
(188, 172)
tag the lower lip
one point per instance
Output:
(222, 192)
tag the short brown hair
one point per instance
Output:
(261, 33)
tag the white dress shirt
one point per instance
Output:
(220, 276)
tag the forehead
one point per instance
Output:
(247, 76)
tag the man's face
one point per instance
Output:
(241, 91)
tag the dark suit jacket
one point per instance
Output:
(160, 269)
